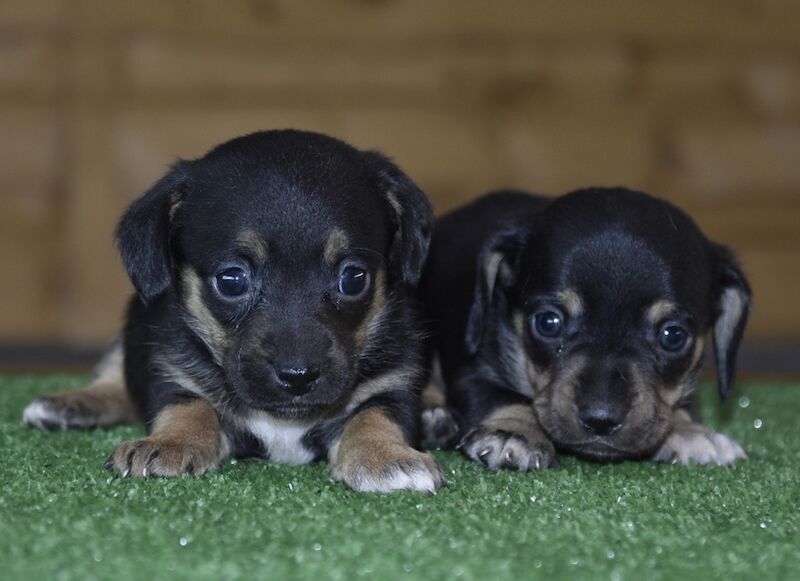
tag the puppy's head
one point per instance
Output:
(607, 297)
(282, 251)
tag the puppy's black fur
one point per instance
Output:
(579, 324)
(274, 316)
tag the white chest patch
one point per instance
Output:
(283, 439)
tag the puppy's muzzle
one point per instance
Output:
(297, 379)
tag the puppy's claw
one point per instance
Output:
(500, 449)
(151, 457)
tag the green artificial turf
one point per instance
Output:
(63, 517)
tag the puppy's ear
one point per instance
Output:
(731, 309)
(143, 234)
(413, 215)
(497, 269)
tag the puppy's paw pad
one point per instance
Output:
(700, 447)
(439, 428)
(150, 457)
(402, 469)
(47, 414)
(499, 450)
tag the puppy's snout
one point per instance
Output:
(297, 379)
(600, 421)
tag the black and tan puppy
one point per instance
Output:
(273, 317)
(579, 325)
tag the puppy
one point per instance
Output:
(273, 319)
(579, 325)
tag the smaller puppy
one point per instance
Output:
(579, 325)
(274, 317)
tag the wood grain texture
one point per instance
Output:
(695, 102)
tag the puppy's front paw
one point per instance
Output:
(160, 457)
(696, 444)
(501, 449)
(439, 428)
(395, 467)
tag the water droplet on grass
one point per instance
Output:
(317, 547)
(757, 423)
(610, 554)
(744, 401)
(763, 525)
(183, 541)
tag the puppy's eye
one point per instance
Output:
(353, 281)
(549, 323)
(232, 282)
(672, 337)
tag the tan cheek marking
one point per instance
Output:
(365, 329)
(571, 301)
(335, 246)
(203, 322)
(561, 393)
(254, 245)
(671, 395)
(659, 311)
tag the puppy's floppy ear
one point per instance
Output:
(412, 213)
(731, 308)
(497, 269)
(143, 234)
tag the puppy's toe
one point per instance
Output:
(699, 446)
(398, 468)
(500, 449)
(439, 428)
(152, 456)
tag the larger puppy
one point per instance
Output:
(580, 325)
(272, 318)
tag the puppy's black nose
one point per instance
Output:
(600, 422)
(297, 380)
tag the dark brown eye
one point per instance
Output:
(672, 337)
(549, 323)
(232, 282)
(353, 281)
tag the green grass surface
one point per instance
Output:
(63, 517)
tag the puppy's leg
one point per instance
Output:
(372, 455)
(691, 442)
(104, 402)
(510, 437)
(185, 439)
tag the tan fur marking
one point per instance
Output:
(366, 328)
(203, 322)
(672, 394)
(335, 246)
(185, 439)
(373, 455)
(253, 245)
(660, 310)
(396, 379)
(572, 302)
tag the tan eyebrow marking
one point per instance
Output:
(254, 245)
(335, 246)
(571, 301)
(659, 310)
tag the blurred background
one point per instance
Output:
(694, 101)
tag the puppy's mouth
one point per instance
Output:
(598, 449)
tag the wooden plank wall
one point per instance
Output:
(698, 102)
